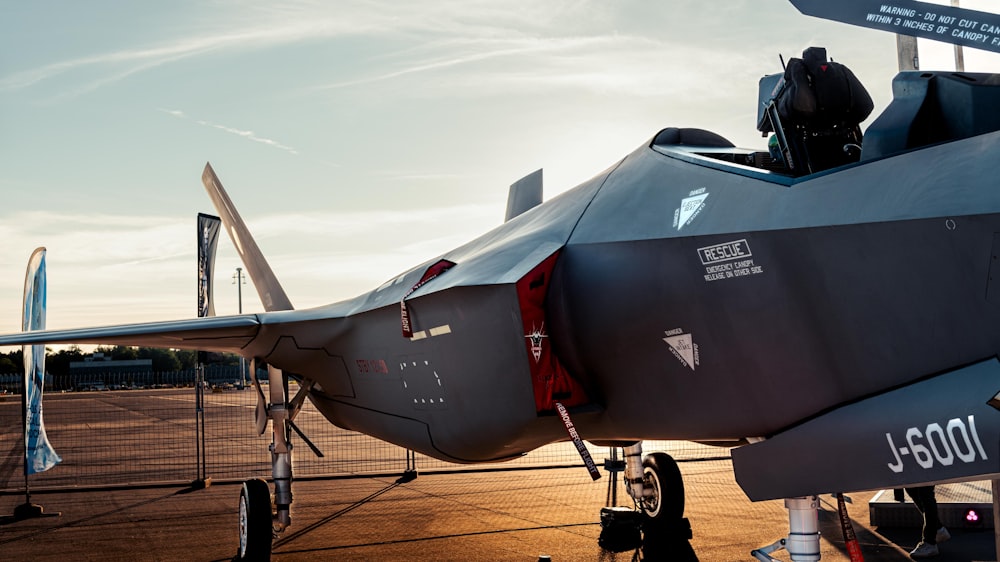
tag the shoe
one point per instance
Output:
(924, 550)
(942, 535)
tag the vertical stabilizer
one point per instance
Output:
(271, 294)
(524, 194)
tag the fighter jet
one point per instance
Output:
(839, 289)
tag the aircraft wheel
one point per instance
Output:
(255, 521)
(660, 473)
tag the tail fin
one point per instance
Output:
(271, 294)
(524, 194)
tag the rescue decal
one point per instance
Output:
(690, 208)
(683, 347)
(728, 260)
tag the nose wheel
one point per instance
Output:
(663, 488)
(255, 522)
(656, 485)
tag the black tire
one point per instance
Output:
(255, 521)
(660, 472)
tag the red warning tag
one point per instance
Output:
(432, 272)
(850, 539)
(578, 442)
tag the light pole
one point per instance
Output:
(239, 280)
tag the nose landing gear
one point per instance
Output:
(655, 484)
(665, 498)
(658, 524)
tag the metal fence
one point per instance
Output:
(149, 435)
(127, 379)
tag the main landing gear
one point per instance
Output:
(655, 483)
(802, 543)
(255, 521)
(261, 516)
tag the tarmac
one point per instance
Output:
(517, 515)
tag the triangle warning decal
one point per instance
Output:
(682, 348)
(689, 208)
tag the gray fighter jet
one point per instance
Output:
(840, 290)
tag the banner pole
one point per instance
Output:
(27, 510)
(24, 436)
(208, 235)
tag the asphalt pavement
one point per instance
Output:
(507, 515)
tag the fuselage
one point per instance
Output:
(793, 299)
(691, 298)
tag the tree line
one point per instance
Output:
(164, 360)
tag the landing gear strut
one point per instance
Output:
(281, 448)
(802, 543)
(261, 518)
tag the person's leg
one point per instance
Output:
(923, 500)
(931, 520)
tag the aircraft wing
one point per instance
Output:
(221, 334)
(938, 430)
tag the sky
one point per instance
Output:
(357, 138)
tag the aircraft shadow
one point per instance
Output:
(965, 545)
(891, 544)
(662, 546)
(873, 546)
(667, 542)
(7, 520)
(655, 543)
(12, 464)
(285, 539)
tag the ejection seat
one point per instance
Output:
(814, 110)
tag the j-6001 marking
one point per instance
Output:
(942, 445)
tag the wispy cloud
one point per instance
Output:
(514, 63)
(247, 134)
(137, 59)
(95, 240)
(103, 268)
(511, 49)
(524, 41)
(421, 176)
(247, 27)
